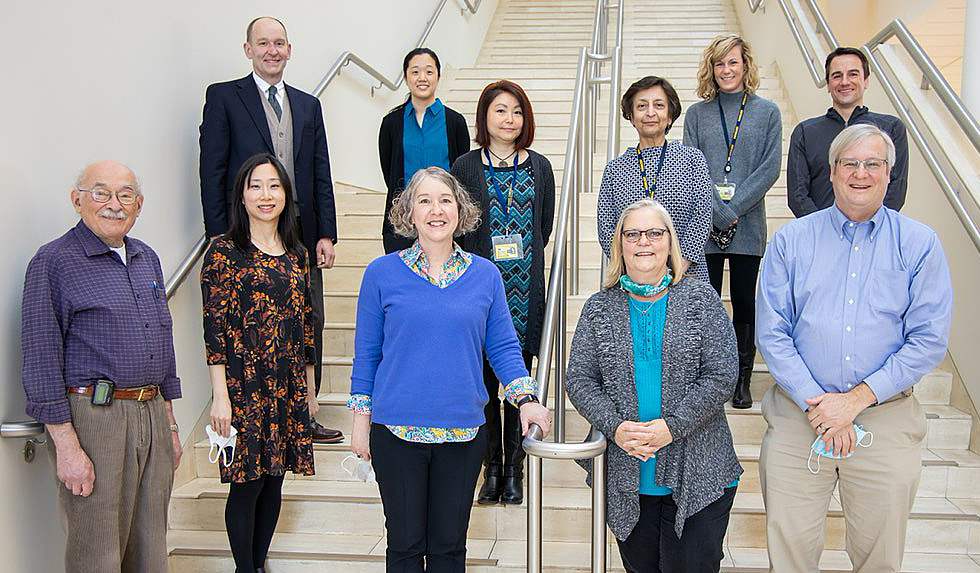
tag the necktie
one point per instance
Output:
(274, 102)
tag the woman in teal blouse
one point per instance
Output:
(652, 363)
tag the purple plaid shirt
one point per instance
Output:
(86, 317)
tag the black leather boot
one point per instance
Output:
(492, 485)
(745, 336)
(513, 488)
(513, 491)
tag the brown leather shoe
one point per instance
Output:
(323, 435)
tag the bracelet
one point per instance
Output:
(526, 399)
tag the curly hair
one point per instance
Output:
(400, 215)
(707, 87)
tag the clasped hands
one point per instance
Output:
(642, 440)
(832, 416)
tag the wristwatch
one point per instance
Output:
(527, 398)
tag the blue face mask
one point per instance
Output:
(820, 450)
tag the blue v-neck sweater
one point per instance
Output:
(418, 348)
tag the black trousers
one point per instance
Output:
(743, 272)
(427, 493)
(503, 443)
(653, 547)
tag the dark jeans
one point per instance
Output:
(743, 272)
(427, 494)
(653, 547)
(503, 446)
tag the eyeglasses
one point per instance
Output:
(872, 165)
(652, 235)
(100, 194)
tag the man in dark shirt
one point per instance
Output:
(808, 187)
(96, 326)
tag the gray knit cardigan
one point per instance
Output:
(700, 366)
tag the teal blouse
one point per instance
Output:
(647, 328)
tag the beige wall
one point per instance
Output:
(125, 80)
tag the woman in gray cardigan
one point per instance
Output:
(740, 135)
(651, 366)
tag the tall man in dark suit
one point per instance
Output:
(261, 114)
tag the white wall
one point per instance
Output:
(125, 80)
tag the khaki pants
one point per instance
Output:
(122, 526)
(877, 486)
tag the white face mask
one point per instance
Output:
(819, 449)
(221, 443)
(361, 470)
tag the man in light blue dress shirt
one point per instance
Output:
(854, 307)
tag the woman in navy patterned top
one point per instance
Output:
(674, 175)
(515, 188)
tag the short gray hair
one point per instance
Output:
(854, 135)
(617, 267)
(400, 215)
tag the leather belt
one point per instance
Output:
(142, 394)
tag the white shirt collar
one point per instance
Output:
(264, 86)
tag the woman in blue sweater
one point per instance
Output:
(425, 317)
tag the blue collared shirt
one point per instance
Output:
(840, 303)
(86, 316)
(425, 145)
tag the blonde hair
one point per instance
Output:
(400, 215)
(617, 266)
(707, 87)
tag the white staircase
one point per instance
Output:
(329, 523)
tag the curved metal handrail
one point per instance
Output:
(577, 168)
(185, 266)
(754, 5)
(21, 429)
(349, 57)
(346, 58)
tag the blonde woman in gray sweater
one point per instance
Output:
(651, 366)
(740, 135)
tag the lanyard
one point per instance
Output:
(643, 170)
(724, 129)
(496, 186)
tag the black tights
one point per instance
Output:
(251, 515)
(743, 272)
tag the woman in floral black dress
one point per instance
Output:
(258, 331)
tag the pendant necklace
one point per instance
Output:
(502, 160)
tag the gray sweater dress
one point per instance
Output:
(755, 164)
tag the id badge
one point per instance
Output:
(507, 247)
(725, 190)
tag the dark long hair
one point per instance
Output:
(238, 227)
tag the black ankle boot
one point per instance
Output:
(492, 485)
(745, 336)
(513, 493)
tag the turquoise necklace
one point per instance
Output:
(633, 288)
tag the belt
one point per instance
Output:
(142, 394)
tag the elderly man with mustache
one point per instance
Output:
(99, 373)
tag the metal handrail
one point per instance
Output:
(346, 58)
(578, 153)
(754, 5)
(21, 429)
(931, 77)
(350, 57)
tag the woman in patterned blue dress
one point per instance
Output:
(515, 188)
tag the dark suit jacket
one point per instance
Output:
(392, 155)
(234, 128)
